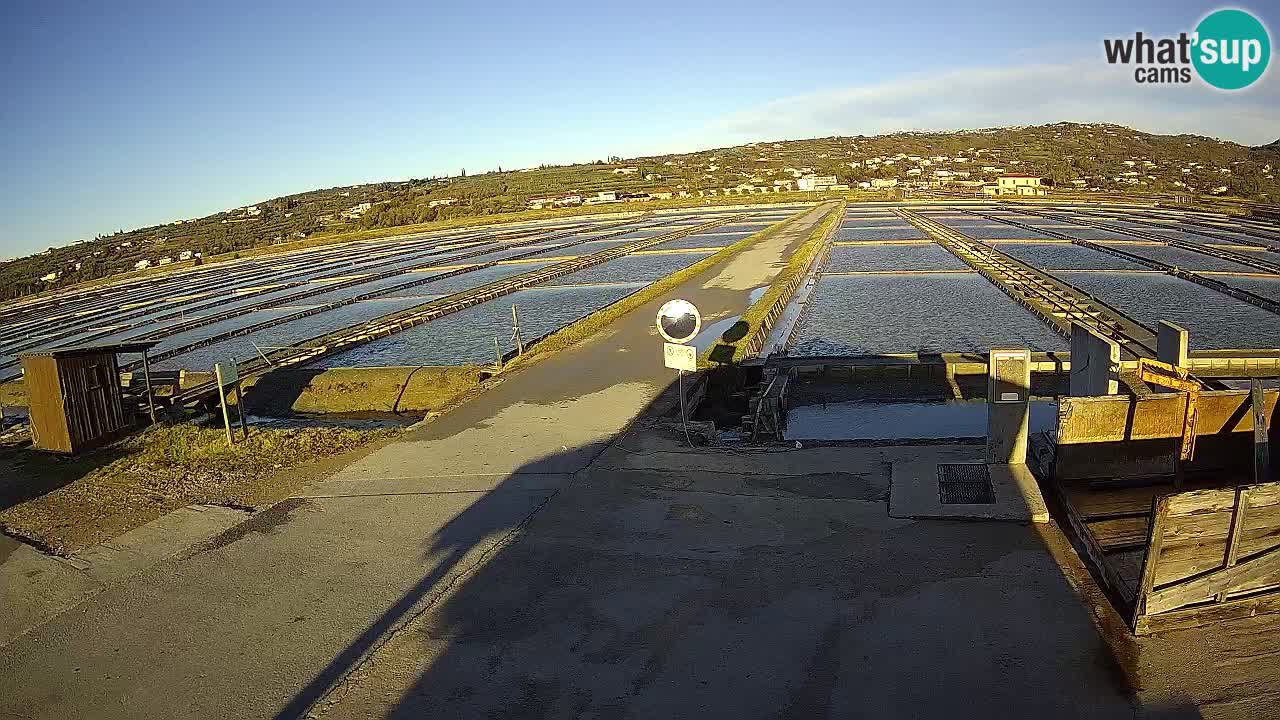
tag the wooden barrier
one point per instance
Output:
(1171, 559)
(1210, 555)
(1119, 436)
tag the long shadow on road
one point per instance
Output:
(665, 582)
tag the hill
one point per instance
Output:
(1080, 156)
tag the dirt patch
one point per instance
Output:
(66, 504)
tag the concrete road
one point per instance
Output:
(665, 583)
(266, 618)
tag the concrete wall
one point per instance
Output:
(1171, 343)
(1094, 363)
(1119, 436)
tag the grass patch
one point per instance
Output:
(13, 394)
(66, 504)
(758, 320)
(584, 328)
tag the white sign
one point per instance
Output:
(680, 357)
(678, 321)
(226, 373)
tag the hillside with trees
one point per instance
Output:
(1079, 157)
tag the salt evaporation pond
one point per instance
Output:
(466, 337)
(879, 314)
(892, 257)
(1215, 321)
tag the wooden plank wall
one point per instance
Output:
(1120, 436)
(44, 397)
(91, 389)
(1209, 552)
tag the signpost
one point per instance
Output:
(680, 357)
(228, 376)
(678, 322)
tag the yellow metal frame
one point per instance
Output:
(1180, 379)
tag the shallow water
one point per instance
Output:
(1065, 256)
(860, 420)
(906, 233)
(1215, 321)
(1092, 233)
(468, 280)
(248, 346)
(631, 268)
(892, 257)
(1266, 287)
(702, 240)
(1002, 232)
(467, 336)
(875, 314)
(1185, 259)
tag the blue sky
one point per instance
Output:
(122, 114)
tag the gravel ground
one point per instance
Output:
(65, 504)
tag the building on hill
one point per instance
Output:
(812, 183)
(1020, 185)
(544, 201)
(604, 196)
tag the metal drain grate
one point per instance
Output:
(965, 484)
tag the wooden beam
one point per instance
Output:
(1208, 614)
(1233, 536)
(1155, 537)
(1261, 567)
(1261, 450)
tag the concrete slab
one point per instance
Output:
(914, 493)
(701, 592)
(36, 587)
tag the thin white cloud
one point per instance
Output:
(1080, 91)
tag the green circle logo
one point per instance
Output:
(1231, 49)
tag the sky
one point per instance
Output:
(125, 114)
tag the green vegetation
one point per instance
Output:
(584, 328)
(66, 504)
(756, 323)
(1086, 157)
(413, 390)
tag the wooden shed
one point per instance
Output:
(74, 396)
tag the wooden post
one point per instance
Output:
(1261, 450)
(222, 396)
(497, 350)
(1150, 558)
(146, 375)
(515, 330)
(1233, 536)
(244, 424)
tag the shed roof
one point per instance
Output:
(81, 350)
